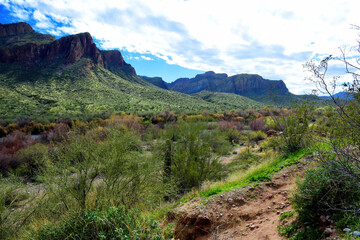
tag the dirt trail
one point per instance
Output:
(250, 213)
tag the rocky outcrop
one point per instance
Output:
(242, 84)
(15, 29)
(201, 82)
(113, 59)
(66, 50)
(157, 81)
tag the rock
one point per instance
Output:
(347, 230)
(14, 29)
(66, 50)
(355, 233)
(329, 231)
(252, 227)
(243, 84)
(323, 218)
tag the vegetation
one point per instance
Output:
(74, 165)
(111, 223)
(332, 189)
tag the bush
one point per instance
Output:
(225, 125)
(31, 159)
(187, 156)
(11, 195)
(256, 136)
(112, 223)
(233, 136)
(295, 127)
(257, 124)
(325, 191)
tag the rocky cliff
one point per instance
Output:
(242, 84)
(20, 43)
(157, 81)
(15, 29)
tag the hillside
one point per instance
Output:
(229, 100)
(46, 78)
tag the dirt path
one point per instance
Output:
(250, 214)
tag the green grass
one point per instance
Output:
(259, 173)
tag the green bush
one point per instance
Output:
(256, 136)
(11, 193)
(244, 160)
(112, 223)
(325, 191)
(31, 160)
(233, 136)
(187, 156)
(295, 127)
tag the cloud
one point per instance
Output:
(146, 58)
(270, 38)
(21, 14)
(42, 21)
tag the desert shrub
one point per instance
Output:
(230, 124)
(9, 145)
(244, 160)
(110, 223)
(84, 172)
(2, 131)
(257, 124)
(11, 193)
(273, 143)
(233, 136)
(163, 117)
(221, 142)
(256, 136)
(187, 156)
(324, 191)
(30, 160)
(295, 128)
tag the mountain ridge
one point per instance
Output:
(66, 50)
(248, 85)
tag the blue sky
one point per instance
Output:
(177, 38)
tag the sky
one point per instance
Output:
(182, 38)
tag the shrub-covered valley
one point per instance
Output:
(90, 150)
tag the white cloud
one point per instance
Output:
(42, 20)
(21, 14)
(146, 58)
(270, 38)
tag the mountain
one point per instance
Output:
(340, 95)
(243, 84)
(44, 78)
(20, 43)
(157, 81)
(229, 100)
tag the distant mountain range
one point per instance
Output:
(45, 77)
(340, 95)
(242, 84)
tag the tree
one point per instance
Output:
(340, 157)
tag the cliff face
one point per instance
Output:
(157, 81)
(30, 48)
(242, 84)
(15, 29)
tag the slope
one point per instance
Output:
(82, 89)
(229, 100)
